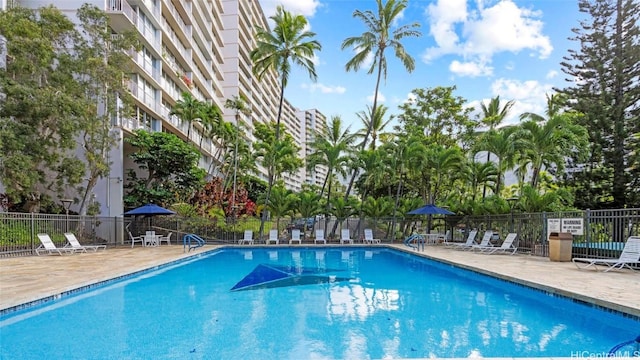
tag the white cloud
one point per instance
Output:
(303, 7)
(443, 16)
(324, 88)
(470, 68)
(551, 74)
(381, 98)
(485, 31)
(528, 96)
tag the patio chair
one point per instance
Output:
(72, 242)
(345, 237)
(630, 255)
(507, 246)
(166, 239)
(368, 237)
(248, 238)
(471, 239)
(320, 237)
(48, 247)
(135, 239)
(295, 236)
(445, 238)
(273, 237)
(484, 243)
(150, 239)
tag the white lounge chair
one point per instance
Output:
(248, 238)
(368, 237)
(471, 239)
(320, 237)
(295, 236)
(485, 242)
(630, 255)
(48, 247)
(75, 244)
(135, 239)
(273, 237)
(506, 247)
(345, 237)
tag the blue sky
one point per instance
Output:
(510, 48)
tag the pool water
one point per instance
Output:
(303, 303)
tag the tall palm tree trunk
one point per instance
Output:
(263, 218)
(356, 171)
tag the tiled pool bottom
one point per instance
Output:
(274, 271)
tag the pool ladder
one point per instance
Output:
(415, 238)
(192, 241)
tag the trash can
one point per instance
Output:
(560, 246)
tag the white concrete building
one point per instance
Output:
(198, 46)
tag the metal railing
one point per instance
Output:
(603, 232)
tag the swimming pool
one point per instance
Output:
(310, 303)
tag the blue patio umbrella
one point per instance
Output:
(430, 209)
(150, 209)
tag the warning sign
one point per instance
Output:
(575, 226)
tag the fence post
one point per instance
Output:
(587, 219)
(33, 228)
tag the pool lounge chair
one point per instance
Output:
(471, 239)
(630, 255)
(72, 242)
(273, 237)
(368, 237)
(320, 237)
(248, 238)
(507, 246)
(345, 237)
(295, 236)
(484, 243)
(48, 247)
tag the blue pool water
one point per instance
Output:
(332, 303)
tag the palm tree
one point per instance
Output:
(289, 43)
(332, 151)
(278, 157)
(504, 146)
(238, 105)
(378, 37)
(549, 140)
(281, 203)
(492, 116)
(377, 125)
(211, 118)
(188, 110)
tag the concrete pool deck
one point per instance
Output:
(27, 279)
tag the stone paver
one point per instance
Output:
(27, 279)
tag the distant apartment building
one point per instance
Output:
(314, 123)
(201, 47)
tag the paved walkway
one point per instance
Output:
(27, 279)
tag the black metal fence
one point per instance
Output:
(600, 233)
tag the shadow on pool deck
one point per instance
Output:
(27, 279)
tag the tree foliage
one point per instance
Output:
(168, 170)
(604, 76)
(58, 97)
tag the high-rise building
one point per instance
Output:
(314, 123)
(201, 47)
